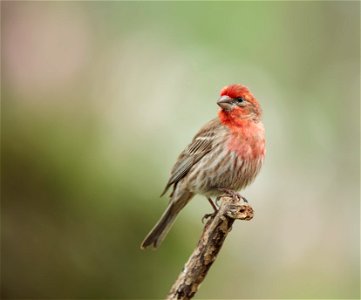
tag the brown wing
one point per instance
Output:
(201, 144)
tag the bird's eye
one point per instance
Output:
(239, 99)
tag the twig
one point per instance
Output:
(210, 243)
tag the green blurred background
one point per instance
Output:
(99, 98)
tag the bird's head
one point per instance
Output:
(237, 102)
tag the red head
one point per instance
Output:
(238, 103)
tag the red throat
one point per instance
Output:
(247, 137)
(231, 118)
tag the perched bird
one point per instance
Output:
(224, 156)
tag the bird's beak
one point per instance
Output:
(225, 102)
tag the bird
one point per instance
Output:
(224, 156)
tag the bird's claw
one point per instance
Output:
(206, 216)
(232, 194)
(244, 199)
(217, 201)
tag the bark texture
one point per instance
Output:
(210, 243)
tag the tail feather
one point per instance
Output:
(160, 230)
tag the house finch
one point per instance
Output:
(224, 156)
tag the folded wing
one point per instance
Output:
(201, 144)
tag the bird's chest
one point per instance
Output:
(248, 142)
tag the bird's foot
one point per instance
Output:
(214, 206)
(232, 194)
(207, 216)
(217, 201)
(215, 210)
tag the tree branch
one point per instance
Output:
(214, 233)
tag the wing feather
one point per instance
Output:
(201, 144)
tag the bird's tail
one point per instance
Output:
(160, 230)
